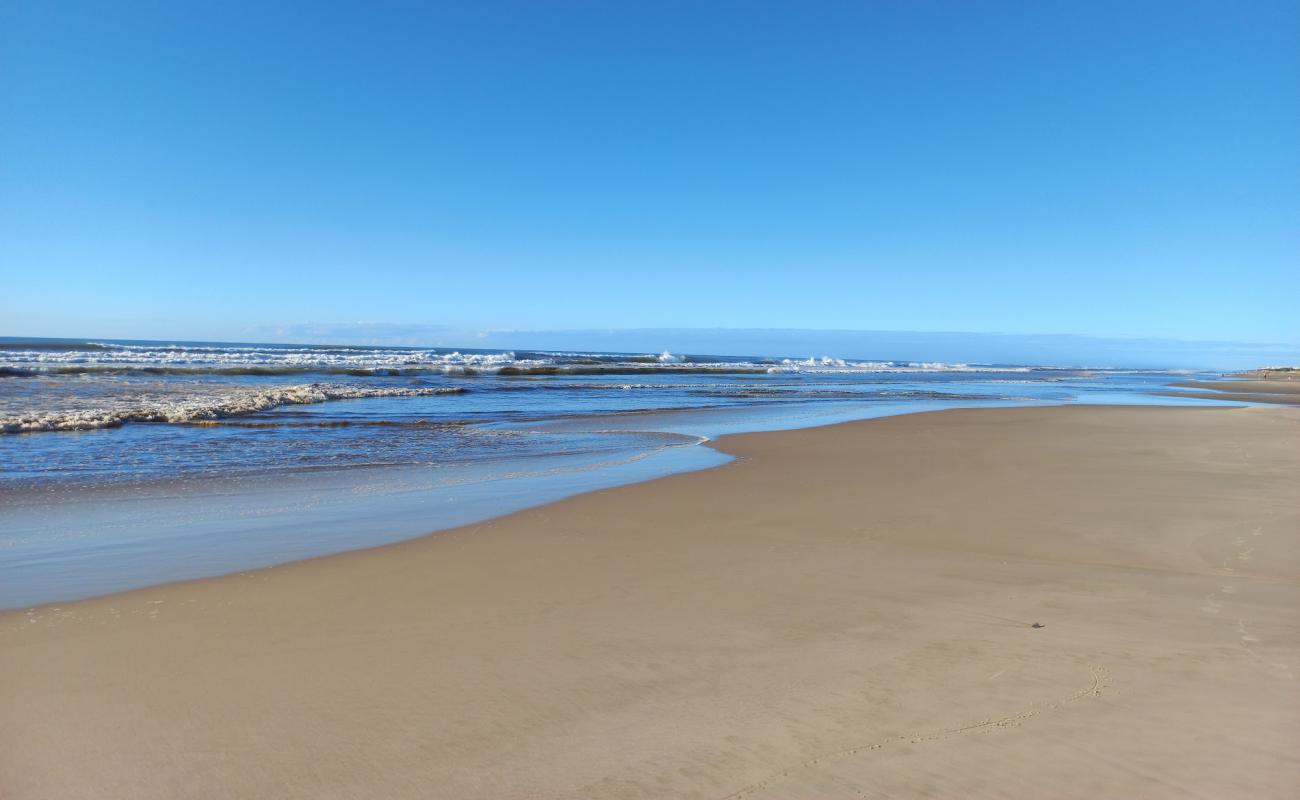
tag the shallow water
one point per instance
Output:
(130, 464)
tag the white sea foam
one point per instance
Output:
(828, 364)
(150, 393)
(91, 357)
(185, 356)
(231, 404)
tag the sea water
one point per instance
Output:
(125, 464)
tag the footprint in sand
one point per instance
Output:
(1212, 604)
(1246, 637)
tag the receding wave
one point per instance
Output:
(233, 404)
(335, 423)
(836, 394)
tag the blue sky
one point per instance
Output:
(207, 170)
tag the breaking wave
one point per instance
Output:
(28, 359)
(235, 404)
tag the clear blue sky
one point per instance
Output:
(206, 169)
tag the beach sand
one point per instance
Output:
(843, 612)
(1285, 391)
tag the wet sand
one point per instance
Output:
(1284, 391)
(842, 612)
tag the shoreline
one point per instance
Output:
(326, 526)
(1280, 391)
(850, 601)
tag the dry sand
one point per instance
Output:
(843, 612)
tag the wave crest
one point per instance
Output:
(235, 404)
(24, 360)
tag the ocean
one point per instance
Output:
(130, 463)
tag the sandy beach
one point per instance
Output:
(842, 612)
(1284, 391)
